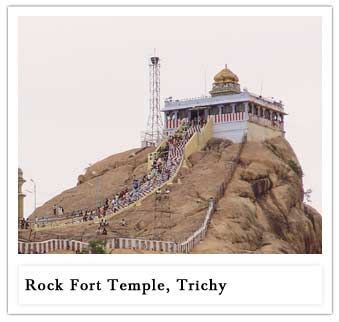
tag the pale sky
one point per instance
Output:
(83, 84)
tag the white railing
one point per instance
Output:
(172, 124)
(269, 123)
(187, 245)
(228, 117)
(199, 234)
(145, 190)
(142, 244)
(51, 245)
(206, 100)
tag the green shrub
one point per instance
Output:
(273, 149)
(295, 167)
(97, 247)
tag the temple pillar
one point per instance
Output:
(282, 121)
(165, 120)
(176, 117)
(246, 111)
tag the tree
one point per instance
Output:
(97, 247)
(307, 195)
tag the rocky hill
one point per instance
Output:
(262, 210)
(100, 181)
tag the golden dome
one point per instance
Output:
(226, 76)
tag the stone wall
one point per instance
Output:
(233, 131)
(199, 140)
(260, 133)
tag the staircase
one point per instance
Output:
(175, 159)
(168, 173)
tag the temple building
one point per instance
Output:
(234, 112)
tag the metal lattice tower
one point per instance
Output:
(162, 213)
(153, 135)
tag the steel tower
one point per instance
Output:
(153, 135)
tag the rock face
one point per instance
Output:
(263, 209)
(174, 219)
(100, 181)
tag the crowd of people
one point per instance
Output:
(102, 228)
(164, 165)
(58, 211)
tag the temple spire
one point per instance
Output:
(225, 82)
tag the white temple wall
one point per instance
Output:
(233, 131)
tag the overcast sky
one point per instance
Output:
(83, 84)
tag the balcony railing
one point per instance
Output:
(269, 123)
(228, 117)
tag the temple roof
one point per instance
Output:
(226, 76)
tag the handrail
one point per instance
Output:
(187, 245)
(61, 220)
(274, 125)
(168, 246)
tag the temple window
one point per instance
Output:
(261, 112)
(172, 115)
(267, 114)
(214, 110)
(240, 108)
(183, 114)
(249, 108)
(226, 109)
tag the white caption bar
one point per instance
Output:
(263, 285)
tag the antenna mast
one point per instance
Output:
(153, 135)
